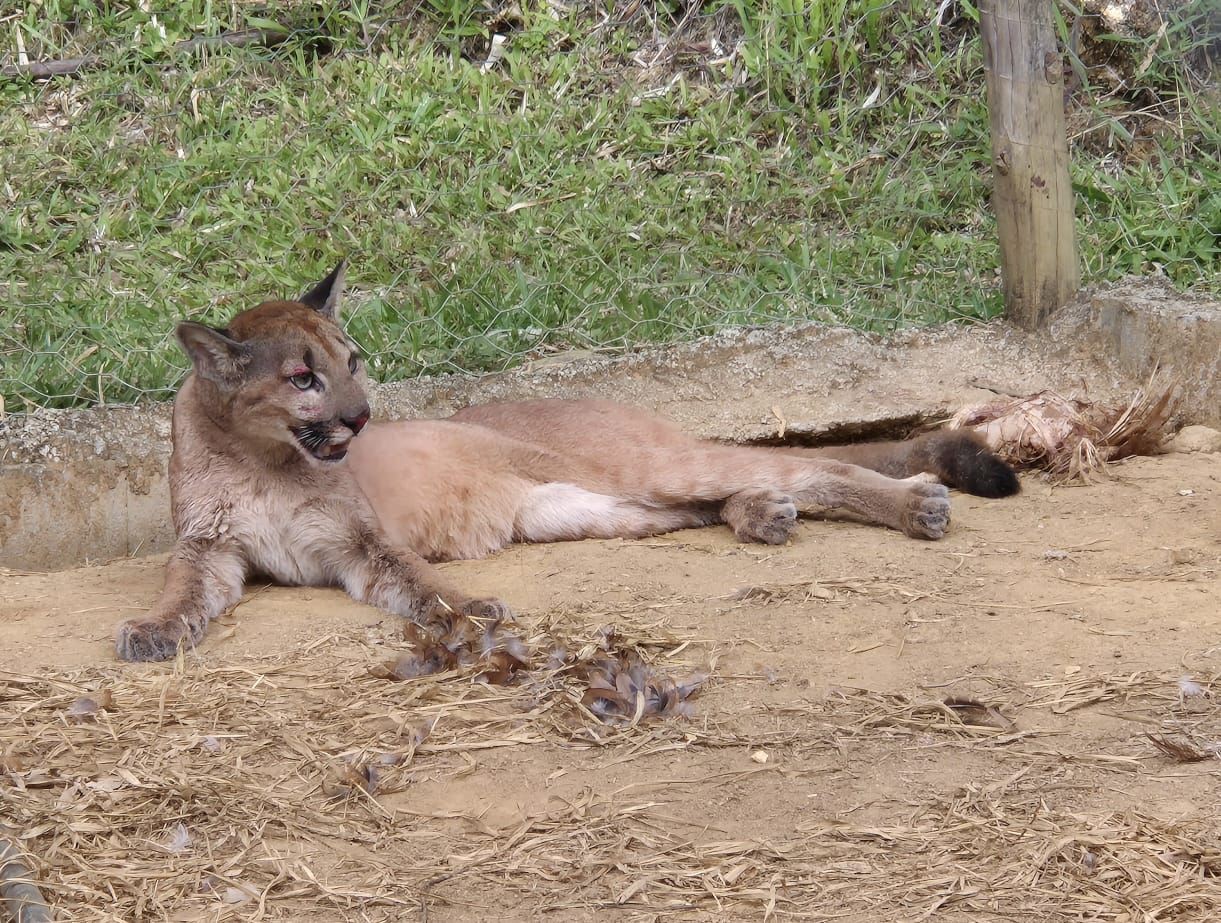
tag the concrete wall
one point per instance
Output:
(1144, 326)
(91, 484)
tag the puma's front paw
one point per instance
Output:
(927, 514)
(486, 610)
(154, 638)
(439, 613)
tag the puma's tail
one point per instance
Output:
(958, 458)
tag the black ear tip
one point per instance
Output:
(186, 329)
(340, 268)
(324, 296)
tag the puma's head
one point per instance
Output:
(283, 374)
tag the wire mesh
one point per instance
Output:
(646, 181)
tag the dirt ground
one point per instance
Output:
(822, 777)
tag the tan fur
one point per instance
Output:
(490, 475)
(260, 482)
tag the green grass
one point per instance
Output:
(567, 199)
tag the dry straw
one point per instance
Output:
(281, 788)
(1072, 438)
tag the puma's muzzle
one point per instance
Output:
(328, 440)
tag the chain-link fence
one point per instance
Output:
(516, 181)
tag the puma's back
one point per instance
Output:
(624, 440)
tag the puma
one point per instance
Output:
(275, 472)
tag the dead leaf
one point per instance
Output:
(1179, 750)
(972, 712)
(354, 777)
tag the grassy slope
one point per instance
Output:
(569, 198)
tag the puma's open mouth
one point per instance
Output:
(332, 453)
(316, 440)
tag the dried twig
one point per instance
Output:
(18, 893)
(70, 67)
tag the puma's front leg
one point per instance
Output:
(202, 579)
(402, 582)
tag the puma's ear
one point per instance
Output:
(214, 356)
(324, 297)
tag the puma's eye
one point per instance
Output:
(304, 381)
(352, 363)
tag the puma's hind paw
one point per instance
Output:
(928, 511)
(765, 516)
(156, 638)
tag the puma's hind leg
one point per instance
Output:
(914, 506)
(751, 485)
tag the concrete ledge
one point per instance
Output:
(91, 484)
(1146, 325)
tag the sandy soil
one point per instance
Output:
(822, 776)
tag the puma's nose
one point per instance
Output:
(357, 423)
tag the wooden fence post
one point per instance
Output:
(1031, 194)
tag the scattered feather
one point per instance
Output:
(451, 641)
(351, 779)
(557, 659)
(178, 840)
(752, 592)
(420, 733)
(1190, 689)
(501, 654)
(434, 659)
(236, 896)
(86, 708)
(622, 687)
(12, 763)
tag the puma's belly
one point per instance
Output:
(443, 490)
